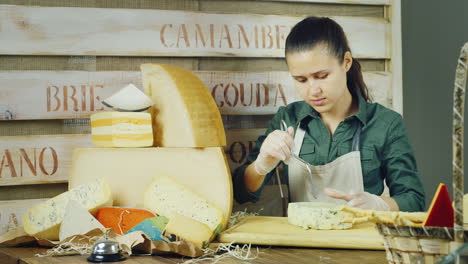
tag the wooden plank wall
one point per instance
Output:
(58, 59)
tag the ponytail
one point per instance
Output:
(355, 81)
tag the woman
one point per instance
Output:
(354, 147)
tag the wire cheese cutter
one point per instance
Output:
(304, 163)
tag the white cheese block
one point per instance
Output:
(129, 171)
(43, 220)
(77, 221)
(167, 197)
(310, 215)
(188, 229)
(121, 129)
(185, 114)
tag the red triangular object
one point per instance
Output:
(441, 212)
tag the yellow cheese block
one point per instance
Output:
(185, 113)
(121, 129)
(44, 220)
(188, 229)
(130, 170)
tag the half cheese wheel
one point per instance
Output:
(185, 114)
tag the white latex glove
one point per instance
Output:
(276, 147)
(363, 200)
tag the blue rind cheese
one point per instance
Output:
(152, 227)
(43, 220)
(165, 196)
(310, 215)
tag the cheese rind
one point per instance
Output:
(185, 114)
(77, 221)
(121, 129)
(190, 230)
(310, 215)
(152, 227)
(43, 220)
(122, 219)
(167, 197)
(129, 171)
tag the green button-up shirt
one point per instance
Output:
(386, 154)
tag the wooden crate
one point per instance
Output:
(58, 60)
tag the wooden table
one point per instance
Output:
(268, 255)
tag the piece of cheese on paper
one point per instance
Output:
(43, 220)
(122, 219)
(167, 197)
(121, 129)
(311, 215)
(185, 114)
(77, 221)
(188, 229)
(129, 171)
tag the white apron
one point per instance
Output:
(343, 174)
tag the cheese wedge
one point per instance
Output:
(310, 215)
(441, 212)
(128, 99)
(121, 129)
(43, 220)
(185, 114)
(122, 219)
(167, 197)
(77, 221)
(189, 230)
(129, 171)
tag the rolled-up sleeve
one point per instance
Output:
(399, 165)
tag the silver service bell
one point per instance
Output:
(107, 251)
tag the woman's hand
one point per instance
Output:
(363, 200)
(276, 147)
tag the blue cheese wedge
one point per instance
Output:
(165, 196)
(310, 215)
(43, 220)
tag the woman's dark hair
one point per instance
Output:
(313, 31)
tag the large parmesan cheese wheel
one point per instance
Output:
(185, 114)
(43, 220)
(130, 170)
